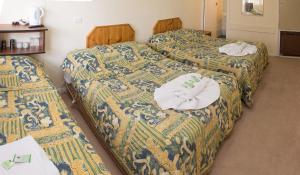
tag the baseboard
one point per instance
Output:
(293, 57)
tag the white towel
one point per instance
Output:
(189, 91)
(238, 49)
(40, 164)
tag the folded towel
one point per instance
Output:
(40, 164)
(187, 93)
(238, 49)
(190, 91)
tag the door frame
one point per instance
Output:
(203, 13)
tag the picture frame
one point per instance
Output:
(253, 7)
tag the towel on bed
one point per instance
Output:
(189, 91)
(39, 165)
(238, 49)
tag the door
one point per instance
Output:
(214, 17)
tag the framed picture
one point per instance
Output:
(253, 7)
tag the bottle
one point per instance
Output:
(12, 44)
(3, 44)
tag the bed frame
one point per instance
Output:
(78, 104)
(101, 35)
(111, 34)
(167, 25)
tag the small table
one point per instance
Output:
(8, 28)
(208, 33)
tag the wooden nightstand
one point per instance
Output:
(8, 28)
(208, 33)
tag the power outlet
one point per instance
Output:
(78, 20)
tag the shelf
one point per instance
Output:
(8, 28)
(29, 51)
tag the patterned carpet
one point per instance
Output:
(266, 140)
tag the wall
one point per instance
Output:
(289, 15)
(69, 22)
(1, 5)
(254, 28)
(220, 16)
(224, 18)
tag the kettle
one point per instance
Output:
(36, 14)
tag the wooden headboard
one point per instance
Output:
(167, 25)
(111, 34)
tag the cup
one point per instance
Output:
(12, 44)
(34, 41)
(3, 44)
(19, 45)
(26, 45)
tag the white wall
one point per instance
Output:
(1, 5)
(289, 15)
(254, 28)
(224, 18)
(65, 35)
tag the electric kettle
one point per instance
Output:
(36, 14)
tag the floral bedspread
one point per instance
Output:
(30, 105)
(193, 47)
(116, 83)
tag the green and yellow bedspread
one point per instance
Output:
(30, 105)
(116, 84)
(193, 47)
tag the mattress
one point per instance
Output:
(193, 47)
(115, 85)
(30, 105)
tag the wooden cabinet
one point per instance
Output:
(289, 43)
(7, 28)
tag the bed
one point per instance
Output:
(113, 81)
(30, 105)
(194, 47)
